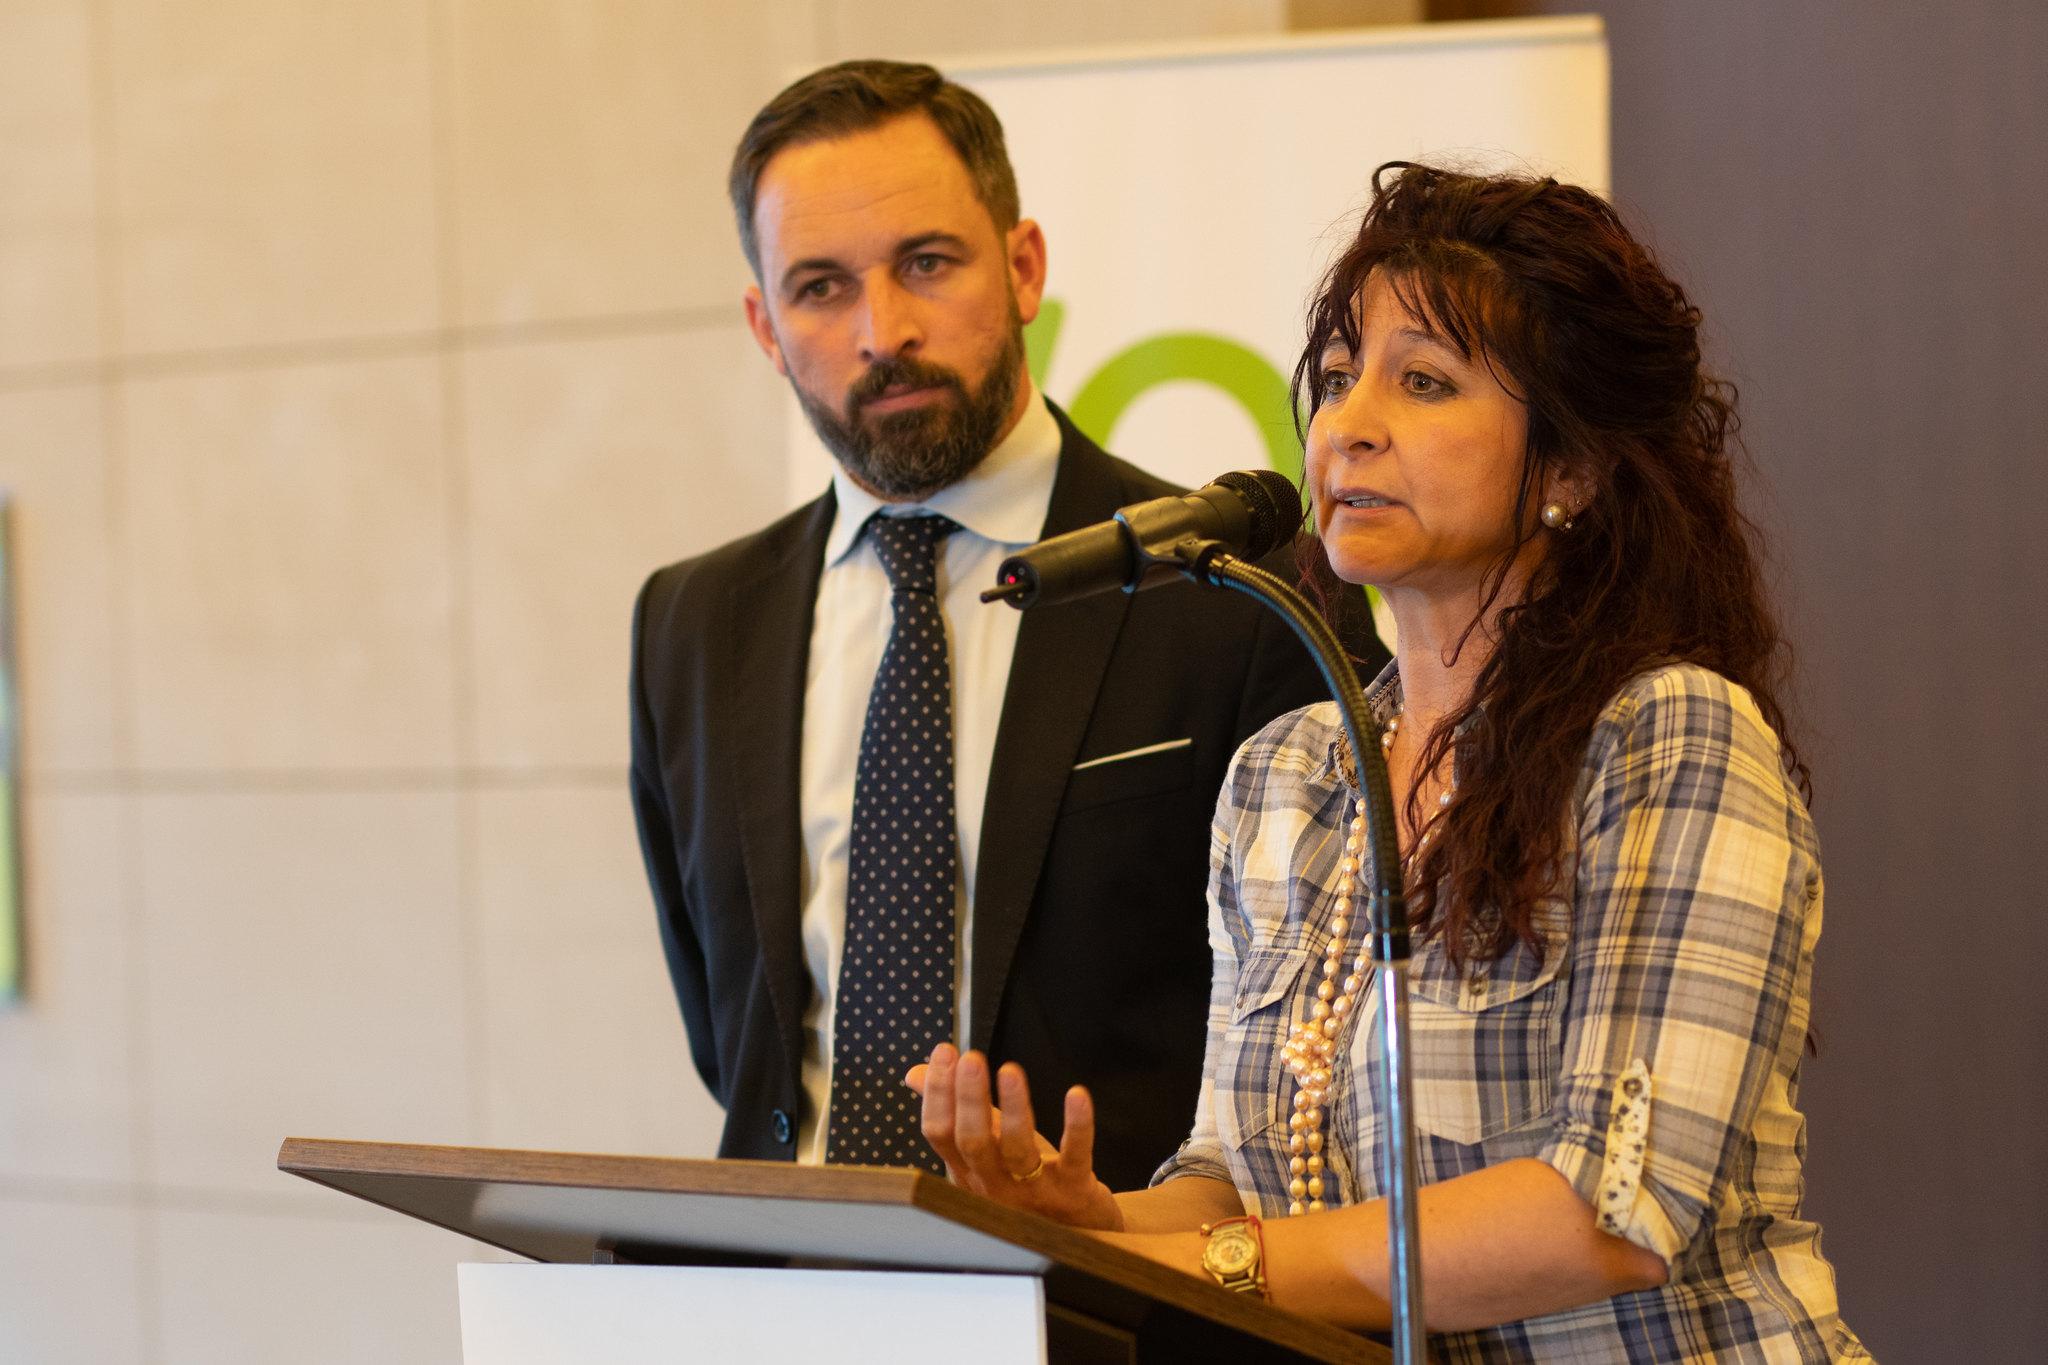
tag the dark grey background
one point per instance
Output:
(1857, 193)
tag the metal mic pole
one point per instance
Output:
(1210, 562)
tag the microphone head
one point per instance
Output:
(1274, 505)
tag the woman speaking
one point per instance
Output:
(1613, 877)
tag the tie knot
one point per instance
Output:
(908, 548)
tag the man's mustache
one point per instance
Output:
(902, 372)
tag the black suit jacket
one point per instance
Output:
(1090, 949)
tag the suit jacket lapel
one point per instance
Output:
(766, 638)
(1062, 653)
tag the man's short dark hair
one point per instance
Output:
(854, 97)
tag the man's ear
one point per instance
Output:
(1025, 245)
(763, 330)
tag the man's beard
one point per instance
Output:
(911, 454)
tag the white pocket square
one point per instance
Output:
(1169, 745)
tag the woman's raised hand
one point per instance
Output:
(995, 1150)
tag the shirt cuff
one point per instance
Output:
(1612, 1169)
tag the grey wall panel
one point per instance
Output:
(1858, 196)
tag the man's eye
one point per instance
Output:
(820, 288)
(926, 263)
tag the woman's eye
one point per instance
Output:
(1332, 383)
(1425, 385)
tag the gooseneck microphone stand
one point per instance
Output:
(1209, 562)
(1212, 563)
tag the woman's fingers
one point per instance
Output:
(1077, 1138)
(960, 1121)
(1086, 1201)
(973, 1133)
(937, 1115)
(1023, 1154)
(997, 1151)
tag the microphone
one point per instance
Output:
(1246, 512)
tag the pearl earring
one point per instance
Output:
(1557, 516)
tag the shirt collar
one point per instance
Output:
(1383, 693)
(1003, 499)
(1383, 698)
(1382, 702)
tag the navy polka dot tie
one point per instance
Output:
(895, 999)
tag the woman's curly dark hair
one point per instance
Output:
(1543, 284)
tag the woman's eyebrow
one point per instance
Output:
(1335, 349)
(1426, 337)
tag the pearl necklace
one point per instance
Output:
(1311, 1046)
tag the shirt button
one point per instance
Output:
(782, 1127)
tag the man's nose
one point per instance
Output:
(893, 327)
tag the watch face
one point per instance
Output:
(1231, 1252)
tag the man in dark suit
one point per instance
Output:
(1086, 742)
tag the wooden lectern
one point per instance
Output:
(1102, 1304)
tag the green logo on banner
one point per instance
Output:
(1228, 366)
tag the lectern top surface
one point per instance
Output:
(561, 1207)
(573, 1207)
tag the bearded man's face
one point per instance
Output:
(893, 303)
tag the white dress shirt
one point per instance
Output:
(1000, 508)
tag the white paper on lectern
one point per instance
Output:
(662, 1315)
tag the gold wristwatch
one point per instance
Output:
(1235, 1254)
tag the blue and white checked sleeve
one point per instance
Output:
(1692, 935)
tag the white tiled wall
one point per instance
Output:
(305, 971)
(287, 551)
(71, 1281)
(585, 463)
(54, 470)
(68, 1071)
(49, 286)
(589, 149)
(580, 1048)
(356, 363)
(233, 1283)
(272, 170)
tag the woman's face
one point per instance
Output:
(1414, 457)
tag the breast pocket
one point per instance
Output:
(1486, 1048)
(1151, 771)
(1248, 1100)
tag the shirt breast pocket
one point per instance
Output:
(1249, 1074)
(1486, 1048)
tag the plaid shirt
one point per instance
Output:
(1651, 1055)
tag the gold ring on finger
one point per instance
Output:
(1032, 1174)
